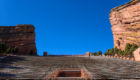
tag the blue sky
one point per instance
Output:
(63, 26)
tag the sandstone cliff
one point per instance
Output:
(125, 21)
(22, 36)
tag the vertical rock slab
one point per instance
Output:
(125, 21)
(45, 54)
(87, 54)
(22, 36)
(137, 54)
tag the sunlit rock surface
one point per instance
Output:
(125, 21)
(22, 36)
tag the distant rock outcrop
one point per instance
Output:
(45, 54)
(125, 21)
(22, 36)
(87, 54)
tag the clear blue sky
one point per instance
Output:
(63, 26)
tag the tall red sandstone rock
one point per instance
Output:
(125, 21)
(137, 54)
(22, 36)
(45, 54)
(87, 54)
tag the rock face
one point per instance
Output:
(45, 54)
(87, 54)
(22, 36)
(125, 21)
(137, 54)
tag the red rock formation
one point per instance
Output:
(45, 54)
(125, 21)
(22, 36)
(87, 54)
(137, 54)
